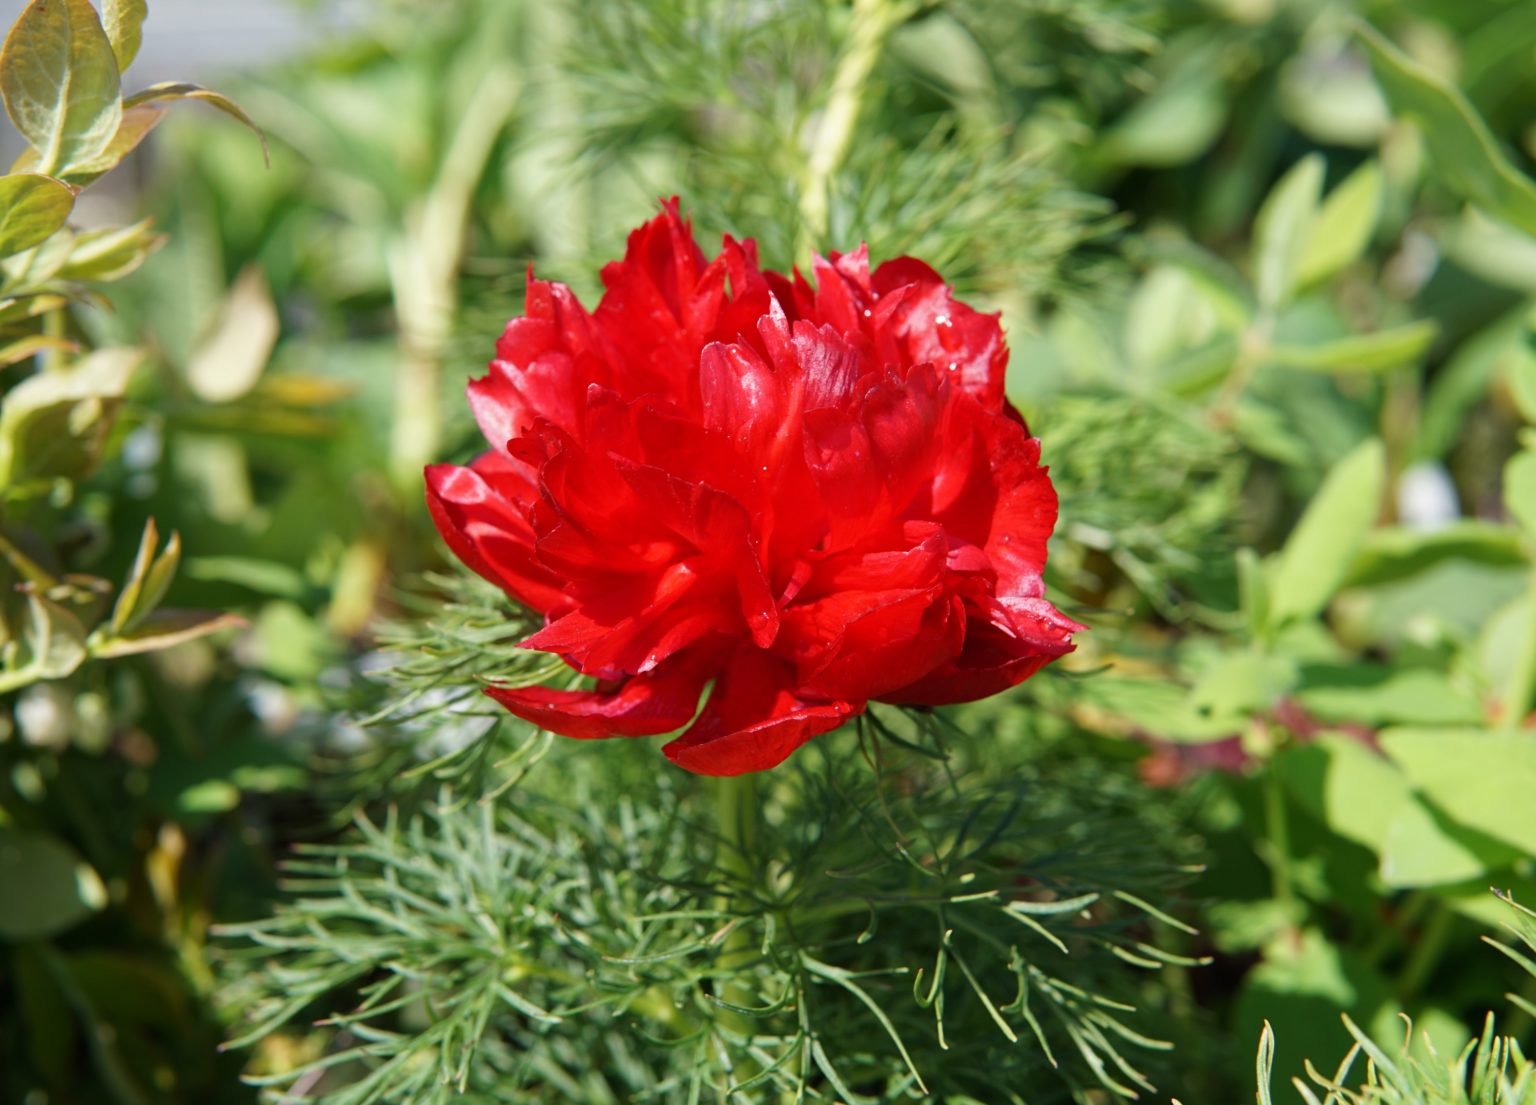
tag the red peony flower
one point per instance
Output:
(813, 496)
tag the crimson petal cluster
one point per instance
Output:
(811, 495)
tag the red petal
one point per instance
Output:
(1020, 638)
(858, 645)
(642, 706)
(753, 719)
(487, 531)
(932, 326)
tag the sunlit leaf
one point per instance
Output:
(32, 207)
(165, 629)
(1343, 226)
(1316, 558)
(123, 20)
(180, 90)
(1362, 353)
(1481, 779)
(231, 356)
(1462, 151)
(1281, 229)
(60, 81)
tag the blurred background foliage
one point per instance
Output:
(1268, 276)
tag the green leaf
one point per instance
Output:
(1372, 694)
(1353, 790)
(133, 586)
(123, 20)
(1397, 552)
(1520, 489)
(1343, 227)
(52, 888)
(1486, 781)
(180, 90)
(1462, 151)
(52, 646)
(54, 424)
(1281, 229)
(61, 84)
(1317, 557)
(32, 208)
(1242, 683)
(165, 629)
(1361, 353)
(135, 127)
(230, 358)
(110, 254)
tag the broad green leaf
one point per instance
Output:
(1484, 780)
(31, 270)
(135, 127)
(1370, 694)
(32, 207)
(102, 255)
(180, 90)
(1520, 489)
(123, 20)
(53, 424)
(1281, 229)
(50, 887)
(1175, 124)
(1159, 707)
(1462, 151)
(1397, 552)
(1253, 589)
(1317, 557)
(1241, 684)
(61, 84)
(1343, 227)
(52, 646)
(1351, 788)
(1420, 849)
(231, 356)
(1361, 353)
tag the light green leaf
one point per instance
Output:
(165, 629)
(1484, 780)
(1317, 557)
(1354, 790)
(112, 253)
(1520, 489)
(135, 127)
(1361, 353)
(231, 356)
(1242, 683)
(1418, 850)
(133, 586)
(52, 888)
(1462, 151)
(1175, 124)
(1397, 552)
(1369, 694)
(32, 207)
(60, 81)
(180, 90)
(53, 424)
(1281, 229)
(1343, 226)
(123, 20)
(1520, 371)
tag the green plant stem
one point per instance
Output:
(1278, 831)
(873, 21)
(736, 819)
(1425, 952)
(424, 274)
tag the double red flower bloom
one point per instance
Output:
(812, 496)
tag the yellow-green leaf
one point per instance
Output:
(123, 20)
(53, 424)
(136, 125)
(60, 81)
(32, 208)
(180, 90)
(1281, 229)
(229, 359)
(166, 629)
(1483, 780)
(1361, 353)
(1462, 151)
(1520, 489)
(1343, 227)
(112, 253)
(1318, 555)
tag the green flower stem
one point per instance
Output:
(1278, 843)
(873, 21)
(736, 800)
(424, 273)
